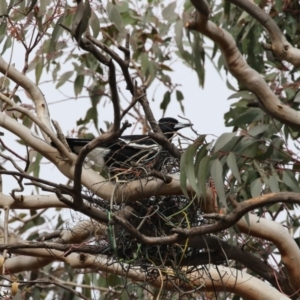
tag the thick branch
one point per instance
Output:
(221, 251)
(280, 46)
(239, 211)
(208, 278)
(243, 73)
(278, 235)
(35, 93)
(43, 127)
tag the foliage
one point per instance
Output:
(257, 155)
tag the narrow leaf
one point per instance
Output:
(223, 140)
(216, 173)
(231, 161)
(169, 11)
(202, 175)
(167, 98)
(115, 16)
(290, 180)
(78, 84)
(66, 76)
(273, 184)
(256, 187)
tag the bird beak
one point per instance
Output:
(182, 125)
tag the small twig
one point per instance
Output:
(124, 64)
(132, 104)
(11, 151)
(167, 179)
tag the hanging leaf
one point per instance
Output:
(81, 19)
(203, 174)
(289, 179)
(256, 187)
(223, 140)
(273, 184)
(231, 161)
(187, 166)
(78, 84)
(164, 104)
(63, 78)
(217, 176)
(168, 12)
(39, 69)
(115, 16)
(180, 97)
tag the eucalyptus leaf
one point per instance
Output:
(231, 161)
(223, 140)
(256, 187)
(217, 176)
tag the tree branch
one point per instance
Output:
(237, 66)
(37, 97)
(280, 46)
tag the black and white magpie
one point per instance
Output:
(127, 147)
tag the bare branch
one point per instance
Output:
(44, 128)
(35, 93)
(124, 64)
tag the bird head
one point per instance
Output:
(170, 125)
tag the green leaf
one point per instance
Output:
(39, 69)
(180, 97)
(81, 19)
(78, 84)
(168, 12)
(256, 187)
(179, 35)
(43, 7)
(144, 63)
(183, 176)
(57, 31)
(115, 16)
(290, 93)
(3, 8)
(223, 140)
(187, 165)
(203, 174)
(95, 24)
(273, 184)
(251, 115)
(167, 98)
(297, 97)
(231, 161)
(244, 95)
(259, 129)
(3, 28)
(217, 176)
(63, 78)
(289, 179)
(7, 44)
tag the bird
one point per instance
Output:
(127, 147)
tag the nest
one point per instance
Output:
(154, 217)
